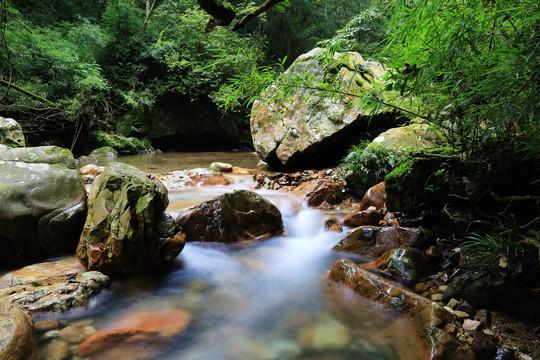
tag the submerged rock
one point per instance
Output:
(135, 335)
(310, 127)
(42, 204)
(11, 134)
(232, 217)
(127, 229)
(17, 336)
(427, 318)
(56, 293)
(374, 241)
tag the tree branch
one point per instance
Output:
(26, 92)
(254, 13)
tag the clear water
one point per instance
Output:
(264, 300)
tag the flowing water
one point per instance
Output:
(262, 300)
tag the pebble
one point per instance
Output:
(46, 325)
(452, 303)
(437, 297)
(471, 325)
(420, 287)
(50, 335)
(55, 350)
(450, 328)
(461, 314)
(73, 334)
(443, 288)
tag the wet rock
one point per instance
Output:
(17, 338)
(72, 334)
(46, 325)
(315, 192)
(428, 319)
(55, 350)
(375, 196)
(42, 204)
(127, 229)
(405, 264)
(135, 335)
(221, 166)
(190, 178)
(57, 293)
(333, 224)
(36, 272)
(374, 241)
(309, 127)
(363, 217)
(484, 345)
(11, 134)
(232, 217)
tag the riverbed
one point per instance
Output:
(260, 300)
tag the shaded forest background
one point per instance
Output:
(73, 67)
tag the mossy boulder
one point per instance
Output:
(416, 136)
(127, 229)
(310, 127)
(42, 204)
(104, 151)
(123, 145)
(419, 179)
(11, 133)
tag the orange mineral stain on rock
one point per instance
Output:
(135, 335)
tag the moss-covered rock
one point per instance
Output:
(11, 133)
(42, 204)
(104, 151)
(419, 178)
(310, 127)
(123, 145)
(127, 229)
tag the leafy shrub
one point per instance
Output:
(491, 252)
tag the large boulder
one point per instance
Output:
(11, 133)
(17, 336)
(313, 127)
(232, 217)
(415, 136)
(42, 204)
(127, 229)
(427, 318)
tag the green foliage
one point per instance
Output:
(491, 252)
(475, 63)
(371, 159)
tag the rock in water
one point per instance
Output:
(42, 204)
(17, 336)
(310, 127)
(56, 293)
(232, 217)
(11, 133)
(428, 318)
(127, 229)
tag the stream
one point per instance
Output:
(261, 300)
